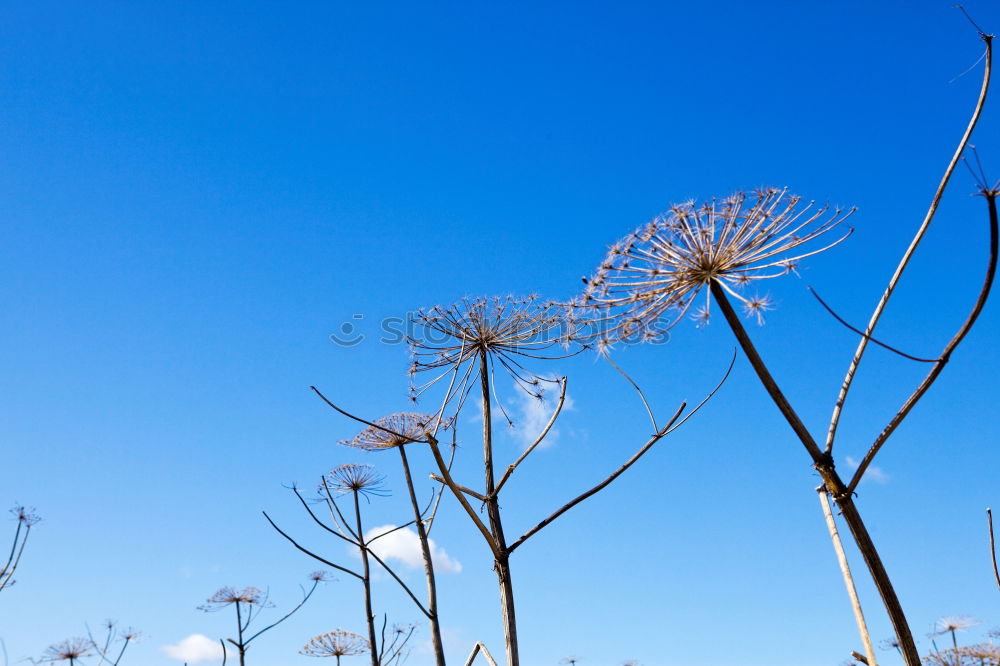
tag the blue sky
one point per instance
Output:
(196, 196)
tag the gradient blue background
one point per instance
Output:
(195, 195)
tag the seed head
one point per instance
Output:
(393, 430)
(503, 331)
(69, 649)
(337, 643)
(25, 515)
(227, 596)
(651, 278)
(354, 478)
(952, 623)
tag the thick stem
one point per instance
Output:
(879, 576)
(825, 466)
(845, 570)
(425, 550)
(501, 563)
(366, 579)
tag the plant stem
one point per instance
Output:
(239, 632)
(845, 569)
(425, 550)
(501, 562)
(823, 462)
(366, 579)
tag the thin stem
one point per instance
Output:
(425, 551)
(845, 569)
(894, 280)
(366, 580)
(457, 492)
(287, 615)
(938, 366)
(476, 649)
(538, 440)
(993, 548)
(239, 633)
(307, 551)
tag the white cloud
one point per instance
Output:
(404, 547)
(194, 649)
(531, 415)
(873, 472)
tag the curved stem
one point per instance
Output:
(894, 280)
(938, 366)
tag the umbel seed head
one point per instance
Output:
(354, 478)
(393, 430)
(651, 278)
(336, 643)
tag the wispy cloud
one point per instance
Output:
(404, 547)
(873, 472)
(194, 649)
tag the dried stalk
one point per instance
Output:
(904, 262)
(845, 569)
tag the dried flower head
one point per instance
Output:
(393, 430)
(354, 478)
(227, 596)
(69, 650)
(889, 643)
(25, 515)
(984, 654)
(320, 576)
(953, 623)
(337, 643)
(651, 278)
(477, 332)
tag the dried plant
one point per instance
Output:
(248, 603)
(951, 625)
(116, 640)
(71, 650)
(505, 330)
(661, 267)
(357, 481)
(337, 643)
(395, 432)
(26, 519)
(652, 278)
(465, 343)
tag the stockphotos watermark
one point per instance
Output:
(396, 330)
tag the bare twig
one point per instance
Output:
(642, 396)
(993, 548)
(476, 649)
(845, 569)
(666, 430)
(538, 440)
(309, 552)
(870, 338)
(904, 262)
(932, 375)
(460, 496)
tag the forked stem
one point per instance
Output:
(824, 465)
